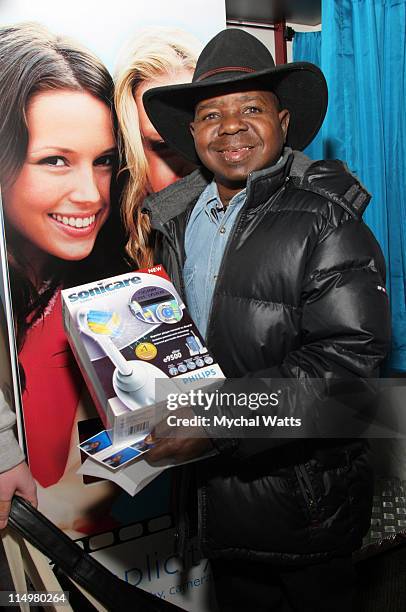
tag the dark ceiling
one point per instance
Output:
(307, 12)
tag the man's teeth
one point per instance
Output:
(235, 150)
(74, 221)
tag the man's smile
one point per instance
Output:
(235, 153)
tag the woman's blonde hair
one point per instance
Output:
(155, 51)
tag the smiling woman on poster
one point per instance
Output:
(57, 158)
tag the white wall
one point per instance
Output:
(299, 28)
(264, 35)
(104, 25)
(267, 36)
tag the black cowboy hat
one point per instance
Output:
(233, 61)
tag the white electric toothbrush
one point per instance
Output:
(133, 381)
(102, 325)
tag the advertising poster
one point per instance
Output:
(61, 206)
(9, 383)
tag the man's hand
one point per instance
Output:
(19, 481)
(177, 449)
(175, 443)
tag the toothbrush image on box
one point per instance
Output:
(102, 326)
(194, 345)
(133, 381)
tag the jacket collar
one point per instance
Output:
(175, 199)
(330, 179)
(262, 184)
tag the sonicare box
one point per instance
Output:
(126, 331)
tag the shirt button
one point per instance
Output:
(222, 230)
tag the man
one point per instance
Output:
(284, 280)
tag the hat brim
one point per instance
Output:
(300, 87)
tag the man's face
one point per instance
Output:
(238, 133)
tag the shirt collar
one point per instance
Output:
(210, 199)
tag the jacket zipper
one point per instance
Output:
(307, 490)
(182, 520)
(171, 242)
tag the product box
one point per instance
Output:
(126, 331)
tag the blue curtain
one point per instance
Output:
(307, 47)
(362, 52)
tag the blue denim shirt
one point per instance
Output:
(207, 233)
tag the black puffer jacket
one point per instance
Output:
(299, 294)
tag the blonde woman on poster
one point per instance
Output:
(157, 56)
(57, 158)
